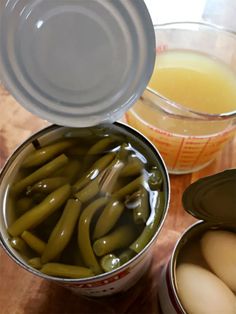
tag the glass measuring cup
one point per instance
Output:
(187, 139)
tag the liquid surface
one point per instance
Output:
(200, 83)
(195, 81)
(75, 200)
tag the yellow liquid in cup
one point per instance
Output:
(197, 82)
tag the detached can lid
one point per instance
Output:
(213, 198)
(76, 62)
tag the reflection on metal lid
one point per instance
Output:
(76, 63)
(213, 198)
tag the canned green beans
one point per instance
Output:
(54, 217)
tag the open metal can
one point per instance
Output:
(211, 199)
(114, 281)
(78, 64)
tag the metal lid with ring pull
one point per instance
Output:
(76, 62)
(213, 198)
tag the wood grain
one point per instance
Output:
(23, 293)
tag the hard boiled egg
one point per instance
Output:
(201, 292)
(219, 250)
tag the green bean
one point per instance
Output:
(44, 154)
(62, 233)
(35, 262)
(103, 182)
(109, 262)
(151, 225)
(24, 204)
(100, 146)
(129, 188)
(120, 238)
(140, 203)
(19, 245)
(41, 173)
(66, 271)
(94, 171)
(155, 180)
(33, 242)
(108, 218)
(89, 191)
(134, 167)
(112, 172)
(37, 214)
(126, 255)
(47, 185)
(12, 214)
(84, 234)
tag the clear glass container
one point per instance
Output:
(187, 139)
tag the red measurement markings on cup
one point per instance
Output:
(161, 48)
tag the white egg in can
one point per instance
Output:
(189, 284)
(200, 276)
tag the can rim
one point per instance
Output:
(197, 227)
(162, 165)
(173, 262)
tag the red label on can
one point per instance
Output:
(100, 282)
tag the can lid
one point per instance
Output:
(213, 198)
(76, 62)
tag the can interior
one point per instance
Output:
(188, 249)
(49, 134)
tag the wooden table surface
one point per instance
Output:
(21, 292)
